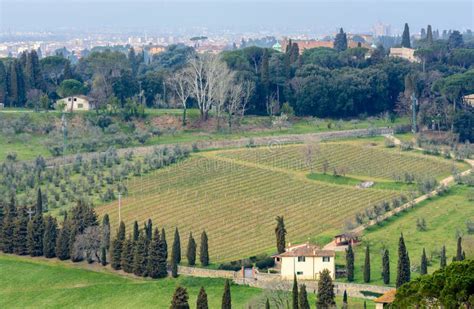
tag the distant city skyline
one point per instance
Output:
(195, 16)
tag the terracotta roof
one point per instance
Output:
(387, 298)
(307, 250)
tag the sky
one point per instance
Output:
(316, 16)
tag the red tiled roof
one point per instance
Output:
(307, 250)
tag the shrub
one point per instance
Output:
(389, 143)
(268, 262)
(421, 225)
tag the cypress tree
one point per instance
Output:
(136, 231)
(49, 237)
(226, 297)
(367, 265)
(8, 225)
(139, 256)
(174, 269)
(191, 252)
(176, 250)
(280, 233)
(424, 263)
(164, 243)
(20, 232)
(340, 42)
(201, 302)
(267, 304)
(386, 267)
(155, 256)
(365, 304)
(459, 252)
(442, 262)
(3, 90)
(429, 35)
(344, 300)
(126, 260)
(106, 232)
(149, 230)
(36, 228)
(117, 245)
(350, 263)
(62, 244)
(204, 250)
(180, 299)
(406, 37)
(303, 298)
(403, 267)
(294, 293)
(103, 256)
(265, 74)
(326, 294)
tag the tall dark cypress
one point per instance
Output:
(443, 260)
(344, 300)
(459, 252)
(280, 233)
(191, 252)
(49, 237)
(3, 89)
(201, 302)
(103, 256)
(303, 298)
(204, 250)
(20, 232)
(340, 42)
(156, 267)
(8, 224)
(126, 260)
(403, 266)
(424, 263)
(136, 231)
(226, 297)
(180, 299)
(326, 295)
(117, 245)
(62, 243)
(386, 267)
(267, 304)
(406, 37)
(36, 228)
(294, 293)
(149, 230)
(350, 263)
(164, 243)
(139, 256)
(429, 35)
(176, 250)
(105, 229)
(367, 265)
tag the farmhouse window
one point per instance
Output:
(299, 272)
(301, 259)
(326, 259)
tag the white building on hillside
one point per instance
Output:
(75, 103)
(306, 261)
(405, 53)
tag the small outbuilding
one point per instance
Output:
(75, 103)
(385, 300)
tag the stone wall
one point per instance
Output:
(208, 273)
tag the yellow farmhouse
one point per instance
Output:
(306, 261)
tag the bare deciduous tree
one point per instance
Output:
(180, 84)
(88, 244)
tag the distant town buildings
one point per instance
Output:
(354, 40)
(381, 29)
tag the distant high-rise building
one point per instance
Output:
(381, 29)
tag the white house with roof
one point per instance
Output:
(306, 261)
(75, 103)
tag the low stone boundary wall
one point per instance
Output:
(208, 273)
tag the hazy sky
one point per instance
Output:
(318, 16)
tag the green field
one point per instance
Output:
(235, 198)
(445, 219)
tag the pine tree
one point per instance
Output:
(294, 293)
(36, 228)
(201, 302)
(303, 298)
(386, 267)
(442, 262)
(164, 243)
(136, 231)
(176, 250)
(204, 250)
(8, 224)
(340, 42)
(20, 232)
(103, 256)
(117, 245)
(49, 237)
(403, 268)
(429, 35)
(326, 294)
(226, 297)
(139, 256)
(406, 37)
(106, 232)
(180, 299)
(191, 252)
(350, 263)
(280, 233)
(62, 244)
(367, 265)
(344, 300)
(459, 255)
(424, 263)
(126, 260)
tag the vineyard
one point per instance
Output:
(235, 195)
